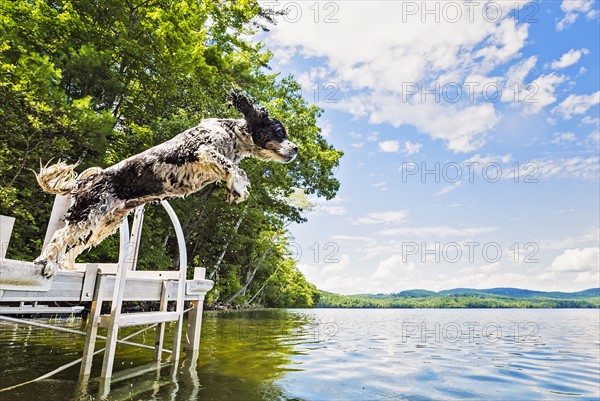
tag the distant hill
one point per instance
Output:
(465, 298)
(520, 293)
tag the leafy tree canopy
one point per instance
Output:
(99, 81)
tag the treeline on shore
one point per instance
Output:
(456, 300)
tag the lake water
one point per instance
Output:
(336, 354)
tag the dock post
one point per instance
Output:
(92, 331)
(6, 227)
(59, 210)
(115, 312)
(192, 337)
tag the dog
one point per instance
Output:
(207, 153)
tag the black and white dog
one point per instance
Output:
(178, 167)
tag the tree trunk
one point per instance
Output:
(224, 251)
(250, 278)
(264, 284)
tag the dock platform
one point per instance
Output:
(25, 291)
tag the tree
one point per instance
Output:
(100, 81)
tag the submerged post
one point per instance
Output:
(192, 337)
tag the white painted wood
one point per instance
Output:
(160, 333)
(23, 276)
(140, 318)
(153, 275)
(22, 281)
(92, 330)
(198, 287)
(123, 240)
(57, 217)
(68, 286)
(89, 282)
(40, 309)
(192, 336)
(107, 268)
(182, 277)
(115, 311)
(136, 235)
(6, 226)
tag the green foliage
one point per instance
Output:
(100, 81)
(461, 298)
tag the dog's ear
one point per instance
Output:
(244, 106)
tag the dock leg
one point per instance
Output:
(160, 333)
(115, 310)
(192, 338)
(92, 331)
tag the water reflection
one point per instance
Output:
(331, 354)
(242, 353)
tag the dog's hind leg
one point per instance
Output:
(75, 238)
(70, 236)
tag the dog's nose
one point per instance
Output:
(295, 148)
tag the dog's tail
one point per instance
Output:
(61, 178)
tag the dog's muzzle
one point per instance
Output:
(289, 151)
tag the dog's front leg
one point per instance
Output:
(235, 177)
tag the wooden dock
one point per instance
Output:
(24, 290)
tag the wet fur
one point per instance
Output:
(178, 167)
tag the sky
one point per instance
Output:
(470, 133)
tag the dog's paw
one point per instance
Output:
(238, 188)
(238, 194)
(48, 268)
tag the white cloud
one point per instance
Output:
(572, 9)
(580, 167)
(586, 168)
(389, 217)
(377, 63)
(563, 137)
(540, 93)
(437, 231)
(447, 189)
(372, 137)
(324, 272)
(358, 145)
(588, 237)
(591, 120)
(391, 146)
(333, 207)
(577, 104)
(594, 137)
(411, 148)
(461, 128)
(568, 59)
(519, 71)
(392, 270)
(326, 128)
(577, 260)
(381, 185)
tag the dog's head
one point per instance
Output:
(268, 134)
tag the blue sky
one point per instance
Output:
(470, 132)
